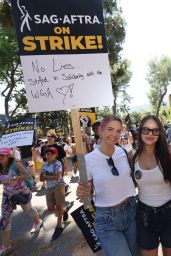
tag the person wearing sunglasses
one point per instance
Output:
(109, 175)
(152, 173)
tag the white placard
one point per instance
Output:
(61, 82)
(17, 139)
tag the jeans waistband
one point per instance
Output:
(117, 206)
(155, 209)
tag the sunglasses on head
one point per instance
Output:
(114, 170)
(50, 136)
(146, 131)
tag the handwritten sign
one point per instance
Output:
(63, 53)
(18, 133)
(62, 82)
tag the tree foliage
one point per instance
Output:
(11, 76)
(115, 33)
(120, 68)
(159, 78)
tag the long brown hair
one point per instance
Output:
(161, 148)
(10, 161)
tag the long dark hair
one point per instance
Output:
(161, 149)
(10, 161)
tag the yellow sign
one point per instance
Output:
(87, 116)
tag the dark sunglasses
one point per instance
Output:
(50, 136)
(114, 169)
(146, 131)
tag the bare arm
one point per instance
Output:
(66, 167)
(56, 176)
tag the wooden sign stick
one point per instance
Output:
(80, 153)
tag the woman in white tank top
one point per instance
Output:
(152, 173)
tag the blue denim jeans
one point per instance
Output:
(71, 164)
(116, 229)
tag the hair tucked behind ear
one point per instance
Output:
(108, 119)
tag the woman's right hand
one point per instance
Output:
(83, 190)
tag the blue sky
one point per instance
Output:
(147, 35)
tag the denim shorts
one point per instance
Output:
(116, 229)
(154, 226)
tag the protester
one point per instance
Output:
(15, 191)
(51, 138)
(152, 173)
(51, 142)
(75, 160)
(126, 139)
(96, 140)
(55, 193)
(168, 133)
(109, 175)
(16, 153)
(70, 155)
(37, 158)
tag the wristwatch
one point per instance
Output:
(14, 177)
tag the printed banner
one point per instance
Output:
(63, 52)
(85, 221)
(87, 116)
(18, 133)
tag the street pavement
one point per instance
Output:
(70, 243)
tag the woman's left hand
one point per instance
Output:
(9, 181)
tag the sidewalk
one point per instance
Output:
(70, 243)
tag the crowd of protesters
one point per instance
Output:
(124, 226)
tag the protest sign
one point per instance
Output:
(18, 133)
(87, 116)
(63, 52)
(85, 221)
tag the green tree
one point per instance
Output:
(115, 33)
(120, 75)
(120, 68)
(102, 112)
(6, 19)
(11, 76)
(159, 78)
(54, 119)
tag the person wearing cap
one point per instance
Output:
(51, 138)
(55, 190)
(12, 176)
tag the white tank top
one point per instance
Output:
(152, 188)
(109, 189)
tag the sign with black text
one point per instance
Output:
(18, 133)
(85, 221)
(87, 116)
(63, 53)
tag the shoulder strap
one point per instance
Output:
(129, 161)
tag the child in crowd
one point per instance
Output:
(55, 193)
